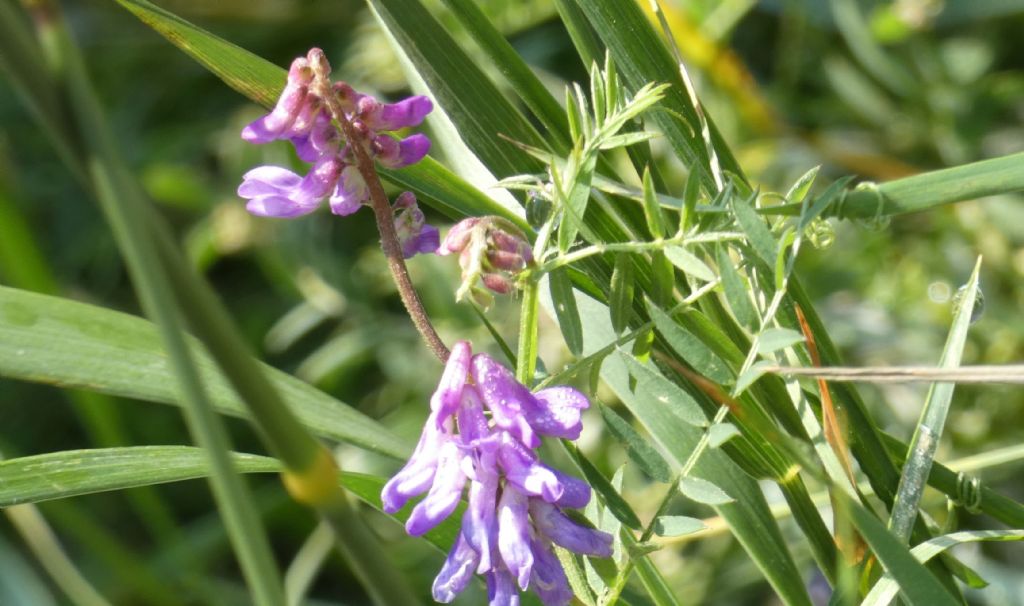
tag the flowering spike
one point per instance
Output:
(515, 501)
(302, 116)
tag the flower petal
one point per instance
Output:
(478, 523)
(558, 412)
(350, 192)
(444, 494)
(575, 492)
(425, 242)
(555, 525)
(278, 207)
(448, 395)
(548, 579)
(407, 112)
(418, 473)
(524, 471)
(456, 573)
(514, 535)
(501, 588)
(268, 180)
(505, 397)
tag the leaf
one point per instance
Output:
(248, 74)
(477, 108)
(70, 473)
(720, 433)
(925, 441)
(663, 279)
(689, 263)
(735, 290)
(919, 586)
(652, 209)
(611, 497)
(119, 354)
(703, 491)
(565, 309)
(641, 58)
(662, 395)
(627, 139)
(798, 192)
(758, 234)
(675, 526)
(774, 339)
(575, 201)
(886, 588)
(620, 303)
(642, 453)
(690, 195)
(690, 348)
(745, 380)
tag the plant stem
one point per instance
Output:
(385, 224)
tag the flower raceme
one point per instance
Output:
(302, 116)
(516, 502)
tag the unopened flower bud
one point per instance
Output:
(505, 261)
(497, 283)
(319, 64)
(458, 236)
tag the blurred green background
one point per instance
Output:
(877, 90)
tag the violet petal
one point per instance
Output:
(444, 494)
(406, 113)
(514, 535)
(548, 579)
(505, 397)
(558, 412)
(555, 525)
(456, 573)
(525, 472)
(448, 395)
(350, 192)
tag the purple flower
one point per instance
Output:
(303, 117)
(414, 234)
(514, 511)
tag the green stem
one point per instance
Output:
(526, 355)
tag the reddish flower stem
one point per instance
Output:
(385, 224)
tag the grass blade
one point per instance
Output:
(933, 418)
(119, 354)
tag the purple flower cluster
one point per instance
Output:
(303, 116)
(515, 501)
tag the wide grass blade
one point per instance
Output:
(64, 474)
(119, 354)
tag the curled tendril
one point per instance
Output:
(968, 492)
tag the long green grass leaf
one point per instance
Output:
(60, 475)
(119, 354)
(883, 592)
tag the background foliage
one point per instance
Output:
(916, 86)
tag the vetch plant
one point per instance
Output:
(671, 273)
